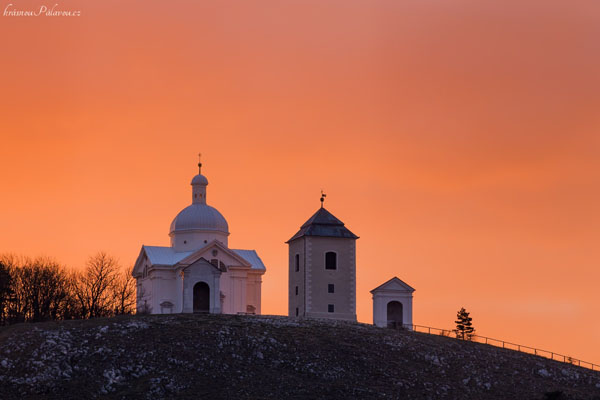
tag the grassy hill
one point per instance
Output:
(253, 357)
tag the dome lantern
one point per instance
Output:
(199, 183)
(198, 223)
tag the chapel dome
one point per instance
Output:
(199, 217)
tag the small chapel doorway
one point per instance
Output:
(394, 314)
(201, 297)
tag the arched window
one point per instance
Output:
(330, 260)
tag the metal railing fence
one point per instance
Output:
(506, 345)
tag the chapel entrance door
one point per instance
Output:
(201, 297)
(394, 314)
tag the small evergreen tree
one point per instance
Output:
(464, 327)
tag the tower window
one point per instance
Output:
(296, 311)
(296, 290)
(331, 288)
(297, 262)
(330, 308)
(330, 260)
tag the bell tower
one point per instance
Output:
(322, 269)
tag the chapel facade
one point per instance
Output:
(322, 269)
(198, 272)
(393, 304)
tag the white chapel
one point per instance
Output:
(198, 272)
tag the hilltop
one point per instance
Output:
(266, 357)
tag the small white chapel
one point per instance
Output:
(198, 272)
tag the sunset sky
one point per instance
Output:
(459, 139)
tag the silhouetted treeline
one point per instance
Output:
(40, 289)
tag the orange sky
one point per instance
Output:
(460, 140)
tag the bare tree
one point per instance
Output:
(38, 289)
(5, 291)
(94, 287)
(124, 293)
(16, 306)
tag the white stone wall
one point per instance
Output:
(226, 289)
(238, 292)
(343, 278)
(163, 288)
(312, 279)
(253, 291)
(296, 278)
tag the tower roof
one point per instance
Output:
(324, 223)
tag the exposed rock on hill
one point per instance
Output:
(222, 357)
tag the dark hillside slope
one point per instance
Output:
(247, 357)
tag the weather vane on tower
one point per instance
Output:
(199, 163)
(323, 195)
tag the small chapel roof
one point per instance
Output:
(394, 284)
(324, 223)
(159, 255)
